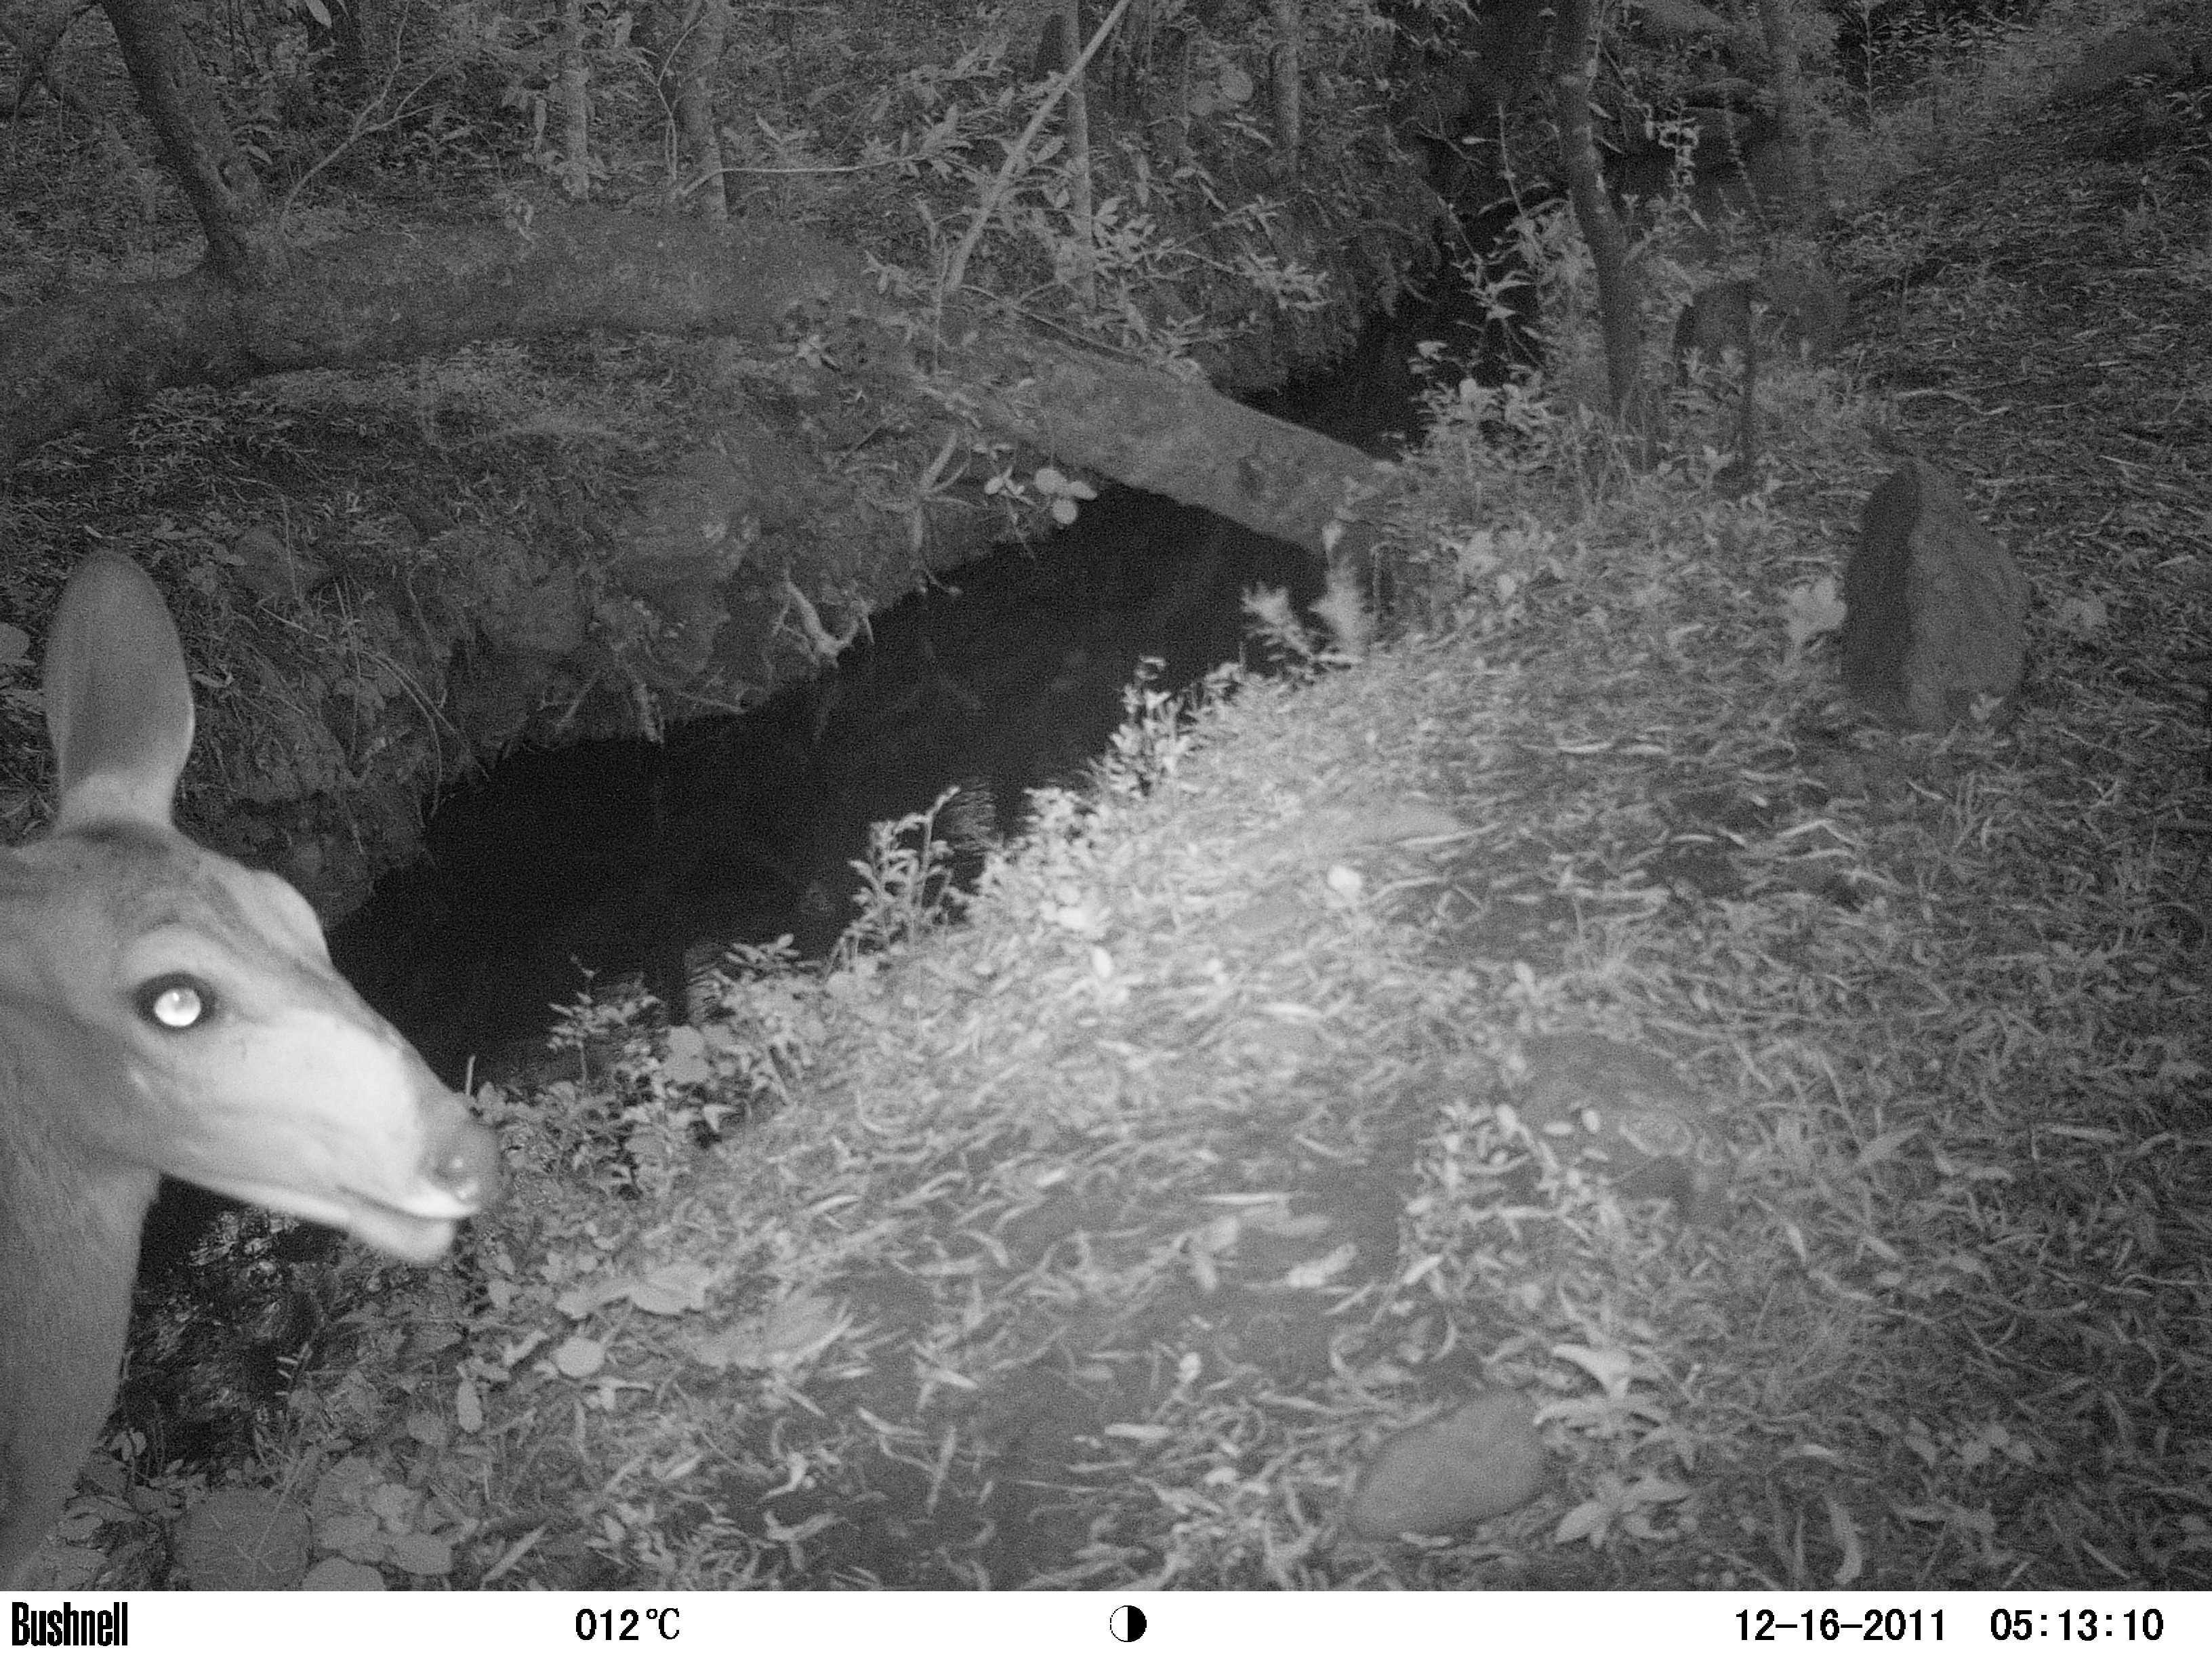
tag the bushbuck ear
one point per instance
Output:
(119, 700)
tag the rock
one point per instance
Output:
(1935, 607)
(1483, 1460)
(2116, 59)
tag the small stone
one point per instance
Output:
(1483, 1460)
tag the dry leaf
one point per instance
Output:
(425, 1556)
(1611, 1367)
(1318, 1272)
(340, 1575)
(356, 1536)
(673, 1287)
(1810, 611)
(580, 1356)
(468, 1406)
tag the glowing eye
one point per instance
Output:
(176, 1002)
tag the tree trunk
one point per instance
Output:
(1575, 46)
(382, 298)
(701, 36)
(1178, 141)
(573, 104)
(217, 178)
(1156, 432)
(1288, 138)
(1079, 154)
(368, 46)
(1792, 120)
